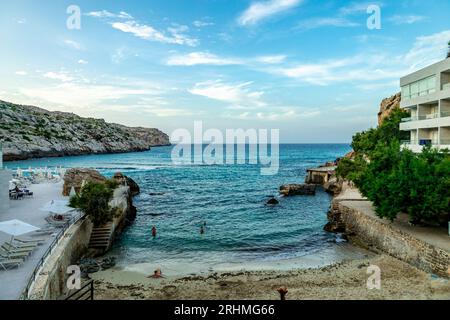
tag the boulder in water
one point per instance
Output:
(273, 202)
(298, 190)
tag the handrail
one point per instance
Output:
(90, 291)
(72, 221)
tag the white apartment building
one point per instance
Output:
(426, 93)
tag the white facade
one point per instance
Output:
(426, 93)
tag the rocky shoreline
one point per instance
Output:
(30, 132)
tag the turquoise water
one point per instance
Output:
(178, 199)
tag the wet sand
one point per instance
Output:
(343, 280)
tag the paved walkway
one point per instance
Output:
(437, 237)
(13, 281)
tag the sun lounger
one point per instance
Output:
(30, 241)
(8, 255)
(17, 246)
(44, 231)
(7, 263)
(12, 250)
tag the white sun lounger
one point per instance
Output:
(7, 263)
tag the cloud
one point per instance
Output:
(357, 7)
(149, 33)
(21, 73)
(206, 58)
(408, 19)
(202, 23)
(274, 114)
(271, 59)
(261, 10)
(107, 14)
(237, 94)
(73, 44)
(371, 68)
(200, 58)
(326, 22)
(61, 76)
(81, 61)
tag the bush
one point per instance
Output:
(397, 180)
(94, 200)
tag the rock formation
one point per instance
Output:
(127, 181)
(272, 202)
(387, 106)
(75, 177)
(31, 132)
(298, 190)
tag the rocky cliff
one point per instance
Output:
(31, 132)
(387, 106)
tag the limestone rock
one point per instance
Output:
(273, 202)
(75, 177)
(387, 106)
(31, 132)
(127, 181)
(333, 186)
(298, 189)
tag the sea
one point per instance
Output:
(227, 200)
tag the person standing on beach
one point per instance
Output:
(154, 232)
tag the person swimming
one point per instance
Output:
(202, 230)
(154, 232)
(156, 274)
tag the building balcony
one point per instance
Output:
(427, 117)
(417, 145)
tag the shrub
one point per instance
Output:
(94, 200)
(398, 180)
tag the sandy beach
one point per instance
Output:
(344, 280)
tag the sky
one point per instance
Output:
(312, 69)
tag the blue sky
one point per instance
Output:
(309, 68)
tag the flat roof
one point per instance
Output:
(435, 68)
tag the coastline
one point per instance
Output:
(344, 280)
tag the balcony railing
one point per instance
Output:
(427, 117)
(424, 142)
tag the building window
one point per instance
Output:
(419, 88)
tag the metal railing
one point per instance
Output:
(62, 231)
(86, 292)
(423, 142)
(427, 117)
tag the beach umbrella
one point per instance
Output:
(16, 228)
(57, 207)
(12, 185)
(19, 172)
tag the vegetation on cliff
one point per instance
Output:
(94, 200)
(31, 132)
(396, 179)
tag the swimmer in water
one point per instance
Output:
(154, 232)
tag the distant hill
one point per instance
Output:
(31, 132)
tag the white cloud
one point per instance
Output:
(81, 61)
(202, 23)
(274, 114)
(358, 7)
(237, 94)
(21, 73)
(276, 59)
(261, 10)
(149, 33)
(371, 68)
(73, 44)
(107, 14)
(206, 58)
(408, 19)
(21, 21)
(200, 58)
(326, 22)
(61, 76)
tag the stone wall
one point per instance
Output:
(386, 237)
(50, 284)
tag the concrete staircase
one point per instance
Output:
(101, 238)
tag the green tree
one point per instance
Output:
(94, 200)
